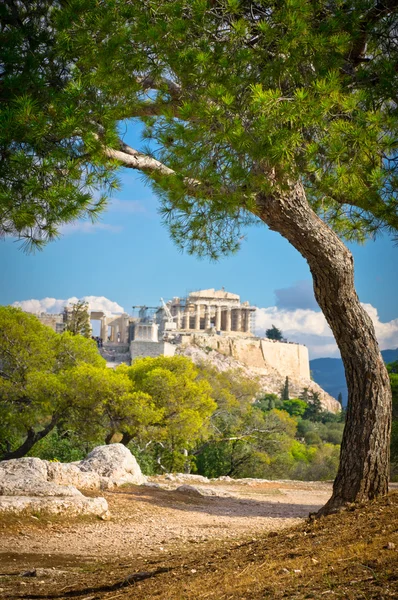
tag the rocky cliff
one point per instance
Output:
(252, 364)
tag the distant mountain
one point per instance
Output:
(329, 373)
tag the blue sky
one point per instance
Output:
(129, 259)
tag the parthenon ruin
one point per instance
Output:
(207, 310)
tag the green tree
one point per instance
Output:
(295, 407)
(77, 318)
(268, 402)
(37, 369)
(314, 407)
(279, 112)
(46, 129)
(183, 404)
(274, 334)
(340, 398)
(285, 390)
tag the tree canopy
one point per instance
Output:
(238, 97)
(273, 333)
(38, 368)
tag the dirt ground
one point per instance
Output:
(42, 557)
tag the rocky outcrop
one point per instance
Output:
(270, 379)
(114, 464)
(35, 485)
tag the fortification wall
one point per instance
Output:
(290, 360)
(287, 358)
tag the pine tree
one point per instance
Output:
(274, 111)
(340, 398)
(77, 319)
(274, 334)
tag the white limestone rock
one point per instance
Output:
(114, 464)
(28, 477)
(71, 474)
(67, 506)
(33, 485)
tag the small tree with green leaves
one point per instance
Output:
(274, 334)
(77, 318)
(314, 407)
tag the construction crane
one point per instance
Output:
(169, 317)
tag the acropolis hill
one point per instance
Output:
(209, 325)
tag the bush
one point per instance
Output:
(61, 447)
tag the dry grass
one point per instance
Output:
(352, 555)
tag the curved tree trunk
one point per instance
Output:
(31, 439)
(364, 459)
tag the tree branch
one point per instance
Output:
(380, 10)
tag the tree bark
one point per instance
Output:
(31, 439)
(364, 459)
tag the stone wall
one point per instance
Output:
(288, 359)
(138, 349)
(56, 322)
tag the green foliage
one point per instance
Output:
(36, 366)
(77, 319)
(288, 86)
(51, 161)
(274, 334)
(182, 405)
(61, 446)
(285, 390)
(314, 407)
(268, 402)
(295, 407)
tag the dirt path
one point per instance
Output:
(148, 524)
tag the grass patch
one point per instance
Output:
(351, 555)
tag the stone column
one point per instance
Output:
(185, 322)
(207, 316)
(178, 317)
(247, 321)
(218, 318)
(239, 319)
(104, 330)
(124, 336)
(228, 320)
(197, 316)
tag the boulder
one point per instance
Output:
(114, 464)
(189, 489)
(68, 505)
(28, 477)
(71, 474)
(35, 485)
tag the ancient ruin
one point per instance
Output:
(213, 318)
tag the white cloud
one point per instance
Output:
(309, 327)
(88, 227)
(54, 305)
